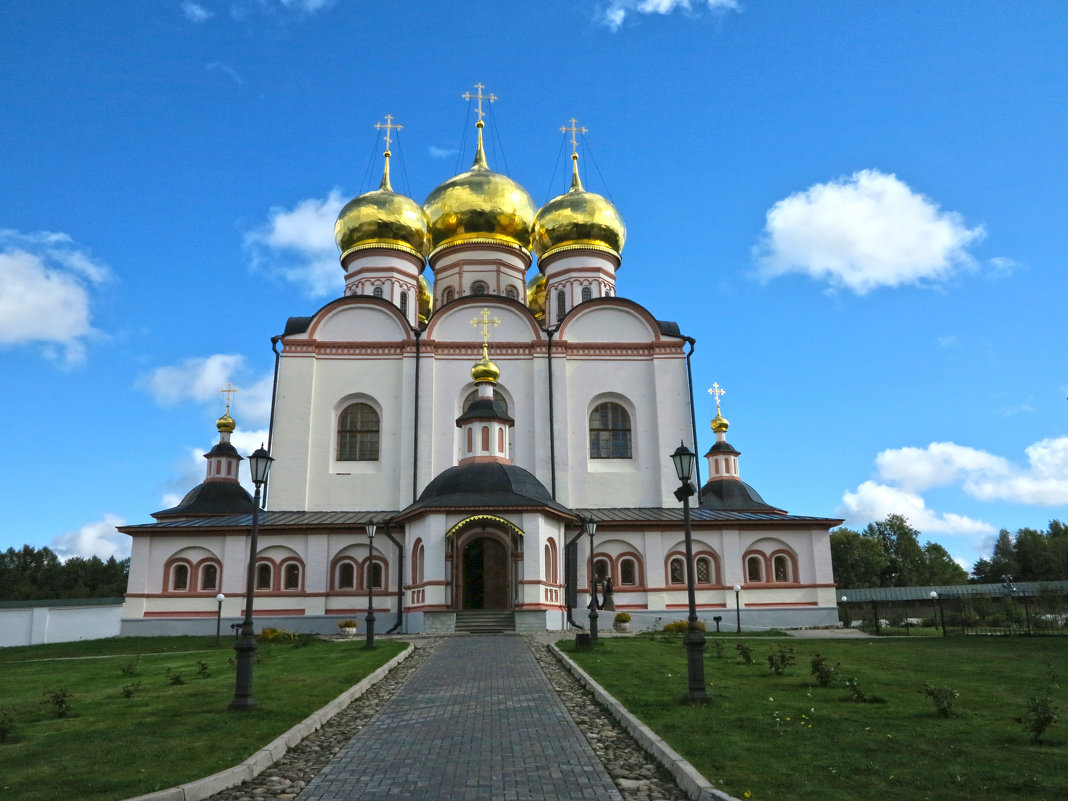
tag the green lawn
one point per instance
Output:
(784, 737)
(112, 747)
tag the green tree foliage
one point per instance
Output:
(36, 574)
(888, 554)
(1029, 555)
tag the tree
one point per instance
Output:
(888, 554)
(1002, 563)
(1029, 555)
(32, 574)
(940, 568)
(858, 561)
(901, 543)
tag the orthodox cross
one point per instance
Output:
(389, 125)
(485, 324)
(574, 129)
(718, 392)
(480, 97)
(228, 392)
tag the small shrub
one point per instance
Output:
(854, 688)
(59, 700)
(824, 672)
(717, 646)
(622, 617)
(341, 624)
(202, 670)
(745, 651)
(682, 626)
(780, 659)
(1041, 711)
(130, 669)
(270, 634)
(943, 699)
(174, 678)
(7, 725)
(128, 690)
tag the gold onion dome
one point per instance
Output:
(426, 300)
(382, 218)
(536, 295)
(479, 205)
(226, 424)
(485, 370)
(578, 219)
(719, 423)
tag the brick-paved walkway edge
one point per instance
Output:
(478, 721)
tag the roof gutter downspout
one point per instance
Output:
(415, 420)
(693, 414)
(274, 395)
(552, 414)
(400, 581)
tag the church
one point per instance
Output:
(479, 449)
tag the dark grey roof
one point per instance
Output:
(484, 409)
(722, 447)
(734, 495)
(485, 485)
(296, 325)
(223, 449)
(1019, 588)
(669, 328)
(211, 498)
(273, 519)
(698, 515)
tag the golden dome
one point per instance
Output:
(485, 370)
(382, 218)
(719, 423)
(426, 300)
(536, 296)
(479, 205)
(226, 424)
(578, 219)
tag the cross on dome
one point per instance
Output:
(574, 129)
(228, 392)
(389, 126)
(479, 97)
(718, 392)
(485, 324)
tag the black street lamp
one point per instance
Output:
(259, 465)
(685, 460)
(589, 525)
(369, 575)
(738, 607)
(218, 617)
(941, 610)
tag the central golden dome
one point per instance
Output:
(578, 219)
(479, 204)
(382, 218)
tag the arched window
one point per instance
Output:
(346, 576)
(404, 303)
(609, 432)
(754, 569)
(548, 562)
(357, 434)
(263, 576)
(209, 577)
(180, 578)
(628, 572)
(291, 576)
(561, 305)
(497, 396)
(377, 292)
(676, 571)
(704, 570)
(511, 292)
(418, 555)
(587, 293)
(450, 295)
(781, 566)
(479, 288)
(551, 563)
(485, 439)
(375, 575)
(601, 570)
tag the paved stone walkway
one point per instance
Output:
(478, 721)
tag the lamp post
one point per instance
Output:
(369, 578)
(684, 460)
(738, 607)
(218, 618)
(845, 614)
(942, 612)
(259, 465)
(589, 525)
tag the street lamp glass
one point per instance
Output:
(220, 597)
(737, 587)
(259, 464)
(371, 529)
(684, 460)
(589, 526)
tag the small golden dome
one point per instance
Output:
(382, 218)
(579, 219)
(479, 204)
(426, 300)
(720, 423)
(485, 370)
(226, 424)
(536, 296)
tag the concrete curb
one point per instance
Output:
(199, 789)
(696, 786)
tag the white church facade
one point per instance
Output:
(478, 421)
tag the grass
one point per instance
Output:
(164, 734)
(784, 737)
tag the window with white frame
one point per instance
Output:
(610, 430)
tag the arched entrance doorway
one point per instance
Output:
(485, 574)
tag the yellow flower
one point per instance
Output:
(747, 794)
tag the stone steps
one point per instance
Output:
(485, 621)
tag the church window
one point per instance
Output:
(470, 439)
(754, 569)
(548, 563)
(715, 463)
(450, 295)
(628, 572)
(263, 576)
(181, 578)
(209, 577)
(418, 555)
(479, 288)
(404, 303)
(497, 396)
(229, 468)
(346, 576)
(551, 563)
(375, 574)
(676, 571)
(485, 439)
(561, 305)
(500, 440)
(377, 292)
(291, 576)
(609, 432)
(600, 569)
(782, 568)
(704, 570)
(510, 292)
(357, 434)
(587, 293)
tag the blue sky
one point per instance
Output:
(856, 208)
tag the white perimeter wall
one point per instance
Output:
(55, 623)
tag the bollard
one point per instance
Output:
(583, 642)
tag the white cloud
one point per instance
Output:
(614, 14)
(873, 501)
(46, 285)
(194, 12)
(308, 6)
(202, 378)
(94, 539)
(863, 232)
(940, 464)
(436, 152)
(298, 244)
(1043, 483)
(226, 69)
